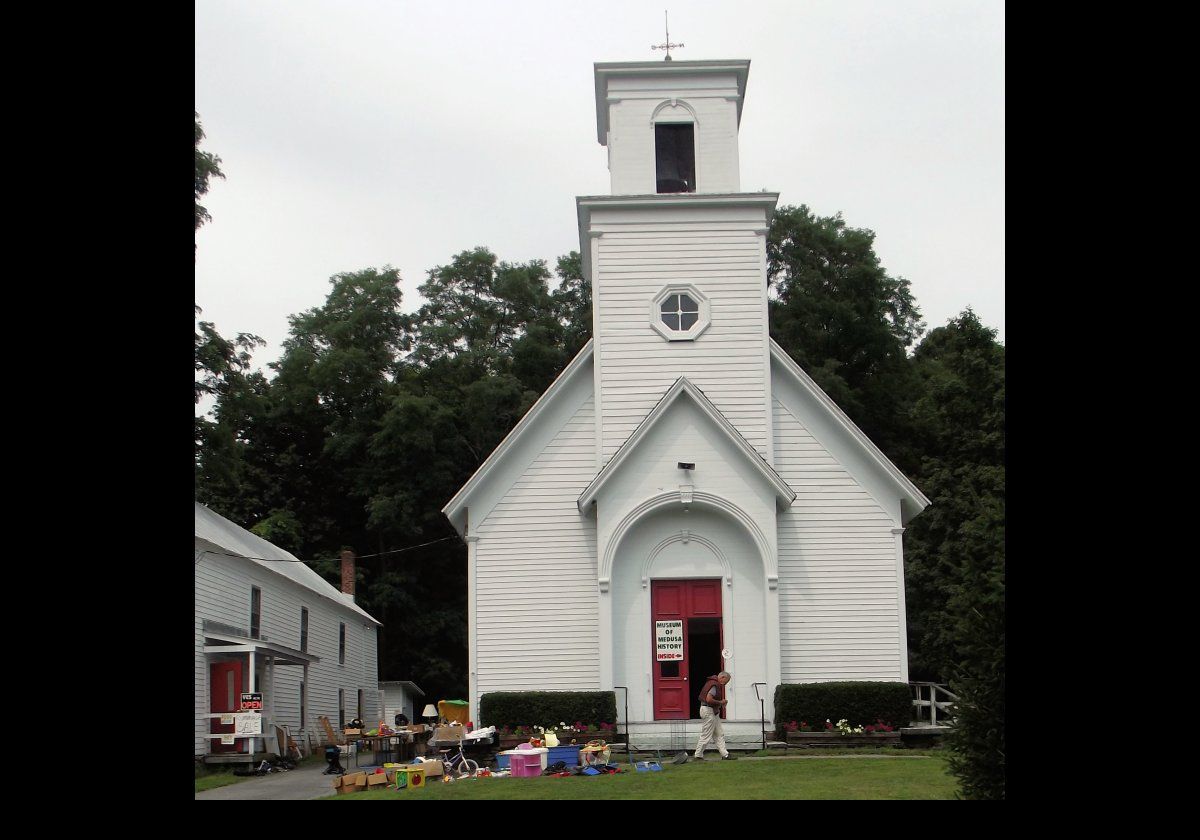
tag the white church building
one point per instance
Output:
(683, 498)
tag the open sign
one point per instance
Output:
(252, 700)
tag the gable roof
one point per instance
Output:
(230, 539)
(455, 509)
(680, 389)
(912, 500)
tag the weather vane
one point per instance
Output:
(668, 45)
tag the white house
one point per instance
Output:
(402, 696)
(266, 622)
(683, 498)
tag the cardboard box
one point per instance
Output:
(376, 780)
(433, 767)
(454, 732)
(350, 782)
(351, 731)
(418, 728)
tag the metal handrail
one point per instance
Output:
(628, 743)
(763, 712)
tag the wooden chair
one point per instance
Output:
(331, 738)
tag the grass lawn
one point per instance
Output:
(914, 777)
(217, 776)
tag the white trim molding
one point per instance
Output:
(784, 495)
(770, 561)
(674, 103)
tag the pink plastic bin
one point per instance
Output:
(527, 764)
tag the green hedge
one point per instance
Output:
(546, 708)
(860, 703)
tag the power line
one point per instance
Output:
(332, 559)
(409, 548)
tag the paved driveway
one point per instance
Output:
(307, 782)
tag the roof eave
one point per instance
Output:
(456, 509)
(603, 70)
(909, 492)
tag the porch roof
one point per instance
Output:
(218, 642)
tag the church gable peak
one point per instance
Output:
(684, 390)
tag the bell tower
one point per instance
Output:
(676, 254)
(671, 127)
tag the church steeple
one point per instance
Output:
(676, 255)
(671, 127)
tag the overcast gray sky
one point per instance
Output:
(366, 133)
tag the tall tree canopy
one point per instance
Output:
(845, 320)
(373, 420)
(208, 166)
(954, 576)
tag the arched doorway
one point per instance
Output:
(694, 575)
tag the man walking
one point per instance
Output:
(712, 700)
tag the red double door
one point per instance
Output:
(686, 637)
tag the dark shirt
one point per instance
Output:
(712, 693)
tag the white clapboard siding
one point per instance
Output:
(536, 573)
(839, 614)
(727, 361)
(223, 594)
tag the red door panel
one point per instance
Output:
(705, 597)
(668, 602)
(225, 690)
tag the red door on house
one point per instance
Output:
(685, 636)
(225, 687)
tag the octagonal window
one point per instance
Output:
(679, 313)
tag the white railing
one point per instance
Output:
(926, 696)
(268, 734)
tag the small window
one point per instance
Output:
(669, 669)
(342, 644)
(303, 706)
(360, 704)
(304, 629)
(675, 157)
(341, 708)
(679, 312)
(255, 611)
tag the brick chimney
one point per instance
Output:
(348, 572)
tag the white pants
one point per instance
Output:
(710, 730)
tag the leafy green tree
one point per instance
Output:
(223, 374)
(977, 740)
(955, 566)
(208, 166)
(573, 303)
(959, 420)
(845, 320)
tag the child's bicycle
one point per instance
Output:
(458, 765)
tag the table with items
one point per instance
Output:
(391, 744)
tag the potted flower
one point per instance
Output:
(839, 734)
